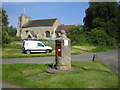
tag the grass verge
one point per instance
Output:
(14, 51)
(17, 53)
(104, 48)
(89, 75)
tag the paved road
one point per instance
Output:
(110, 58)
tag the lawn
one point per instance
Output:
(89, 74)
(14, 51)
(17, 53)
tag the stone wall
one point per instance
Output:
(39, 31)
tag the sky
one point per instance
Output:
(68, 12)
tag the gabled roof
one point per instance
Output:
(33, 34)
(64, 27)
(39, 23)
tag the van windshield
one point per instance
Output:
(40, 44)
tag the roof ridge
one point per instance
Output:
(43, 19)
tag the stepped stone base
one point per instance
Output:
(53, 70)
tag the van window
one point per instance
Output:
(39, 44)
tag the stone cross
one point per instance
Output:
(63, 52)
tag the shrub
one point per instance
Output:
(16, 38)
(98, 36)
(77, 35)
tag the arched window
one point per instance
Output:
(47, 34)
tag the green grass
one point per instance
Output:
(11, 46)
(17, 53)
(104, 48)
(89, 75)
(14, 51)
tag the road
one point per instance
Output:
(110, 58)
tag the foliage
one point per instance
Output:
(0, 26)
(101, 10)
(12, 31)
(98, 36)
(77, 35)
(5, 37)
(89, 75)
(16, 38)
(103, 15)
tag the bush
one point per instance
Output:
(98, 36)
(6, 39)
(12, 31)
(16, 38)
(77, 35)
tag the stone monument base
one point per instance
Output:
(63, 67)
(53, 70)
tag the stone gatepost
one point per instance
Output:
(63, 52)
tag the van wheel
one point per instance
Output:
(47, 51)
(28, 52)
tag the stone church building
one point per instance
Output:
(43, 28)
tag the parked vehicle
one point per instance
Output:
(30, 46)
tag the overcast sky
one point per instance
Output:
(67, 12)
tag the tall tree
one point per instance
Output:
(4, 21)
(0, 26)
(5, 36)
(103, 15)
(12, 31)
(98, 13)
(118, 24)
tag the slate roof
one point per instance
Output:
(39, 23)
(64, 27)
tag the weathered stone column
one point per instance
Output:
(63, 52)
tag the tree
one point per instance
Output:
(5, 37)
(102, 11)
(0, 26)
(98, 36)
(12, 31)
(77, 35)
(118, 24)
(103, 15)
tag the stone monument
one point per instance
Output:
(63, 52)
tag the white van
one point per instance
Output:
(35, 46)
